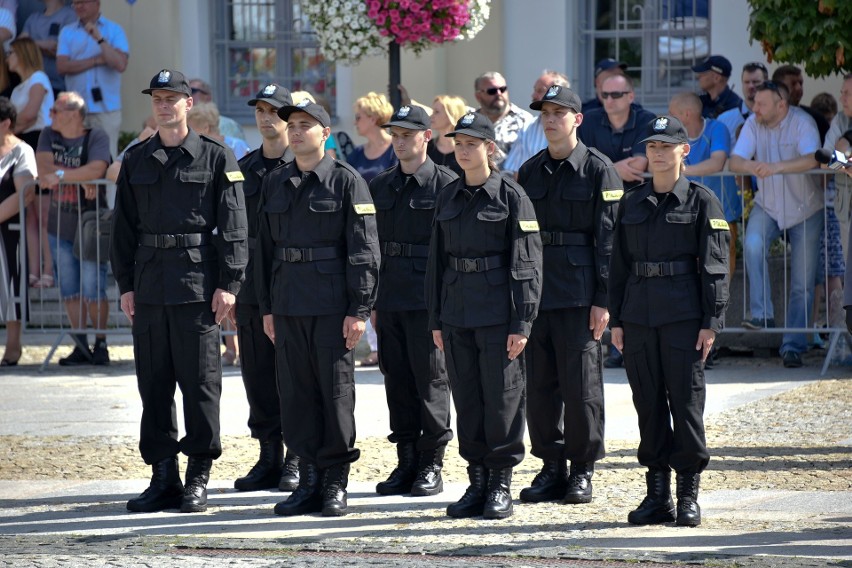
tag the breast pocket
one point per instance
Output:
(275, 208)
(329, 222)
(422, 212)
(142, 182)
(194, 187)
(491, 221)
(578, 198)
(680, 227)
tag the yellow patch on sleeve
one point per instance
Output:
(719, 224)
(612, 194)
(528, 226)
(365, 208)
(235, 176)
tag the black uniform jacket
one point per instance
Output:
(404, 213)
(688, 225)
(498, 221)
(575, 200)
(253, 167)
(329, 207)
(196, 190)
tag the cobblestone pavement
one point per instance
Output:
(792, 450)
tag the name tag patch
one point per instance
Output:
(612, 194)
(365, 208)
(719, 224)
(235, 176)
(528, 226)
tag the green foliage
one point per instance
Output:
(125, 138)
(811, 33)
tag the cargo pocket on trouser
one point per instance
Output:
(638, 373)
(592, 379)
(341, 365)
(686, 376)
(509, 374)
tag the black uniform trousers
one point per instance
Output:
(489, 394)
(565, 399)
(667, 379)
(257, 364)
(416, 384)
(316, 381)
(178, 345)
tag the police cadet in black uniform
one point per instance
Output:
(416, 383)
(178, 281)
(668, 289)
(575, 192)
(483, 283)
(316, 267)
(257, 354)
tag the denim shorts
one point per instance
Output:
(73, 275)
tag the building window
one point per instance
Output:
(261, 41)
(660, 40)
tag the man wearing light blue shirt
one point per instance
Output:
(92, 54)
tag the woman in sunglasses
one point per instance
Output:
(483, 284)
(668, 289)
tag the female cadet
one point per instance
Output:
(667, 296)
(483, 284)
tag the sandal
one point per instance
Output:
(34, 280)
(228, 358)
(46, 281)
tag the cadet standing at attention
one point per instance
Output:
(668, 290)
(575, 192)
(418, 391)
(483, 284)
(257, 353)
(178, 281)
(316, 268)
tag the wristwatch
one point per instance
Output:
(60, 173)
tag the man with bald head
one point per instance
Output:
(492, 94)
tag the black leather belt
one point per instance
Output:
(164, 241)
(307, 254)
(562, 239)
(476, 264)
(404, 249)
(656, 269)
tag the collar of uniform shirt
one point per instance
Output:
(191, 144)
(421, 176)
(575, 158)
(491, 186)
(680, 191)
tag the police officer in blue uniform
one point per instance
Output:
(483, 284)
(316, 268)
(418, 391)
(575, 192)
(257, 353)
(178, 280)
(668, 289)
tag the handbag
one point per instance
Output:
(93, 237)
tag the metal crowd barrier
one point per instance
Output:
(43, 312)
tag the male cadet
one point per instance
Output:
(316, 267)
(177, 282)
(257, 352)
(575, 192)
(713, 74)
(416, 380)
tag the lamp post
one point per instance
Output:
(395, 75)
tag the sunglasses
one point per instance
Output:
(197, 90)
(57, 109)
(494, 90)
(614, 94)
(754, 66)
(769, 86)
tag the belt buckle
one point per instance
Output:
(546, 237)
(470, 264)
(167, 241)
(294, 255)
(393, 249)
(653, 270)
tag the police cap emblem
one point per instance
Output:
(269, 90)
(661, 124)
(467, 119)
(403, 111)
(552, 91)
(164, 77)
(303, 103)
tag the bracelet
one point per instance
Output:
(100, 41)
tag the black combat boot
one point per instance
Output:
(335, 480)
(401, 478)
(549, 484)
(688, 511)
(164, 492)
(657, 507)
(267, 471)
(579, 483)
(195, 488)
(428, 480)
(498, 503)
(307, 498)
(473, 501)
(289, 480)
